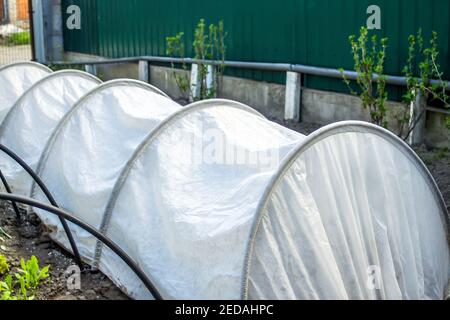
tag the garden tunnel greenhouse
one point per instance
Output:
(213, 201)
(17, 78)
(39, 110)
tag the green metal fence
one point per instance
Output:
(311, 32)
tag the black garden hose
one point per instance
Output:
(50, 198)
(8, 189)
(106, 241)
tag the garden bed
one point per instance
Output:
(31, 238)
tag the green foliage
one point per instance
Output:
(208, 44)
(369, 56)
(176, 48)
(17, 39)
(423, 61)
(30, 273)
(4, 266)
(7, 289)
(28, 279)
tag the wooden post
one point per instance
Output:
(292, 109)
(144, 71)
(417, 120)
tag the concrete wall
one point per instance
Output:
(319, 107)
(269, 99)
(437, 134)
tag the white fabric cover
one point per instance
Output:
(31, 121)
(187, 204)
(90, 147)
(215, 202)
(200, 199)
(15, 79)
(351, 204)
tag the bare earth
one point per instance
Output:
(30, 237)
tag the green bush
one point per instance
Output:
(369, 55)
(209, 44)
(17, 39)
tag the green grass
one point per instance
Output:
(17, 39)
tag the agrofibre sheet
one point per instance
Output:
(213, 201)
(15, 79)
(125, 111)
(39, 110)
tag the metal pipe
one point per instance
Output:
(434, 109)
(279, 67)
(31, 18)
(8, 189)
(107, 241)
(50, 198)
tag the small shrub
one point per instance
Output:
(369, 59)
(209, 44)
(17, 39)
(422, 60)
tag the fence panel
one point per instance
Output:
(313, 32)
(15, 40)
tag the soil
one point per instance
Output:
(30, 237)
(438, 162)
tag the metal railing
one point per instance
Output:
(144, 61)
(262, 66)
